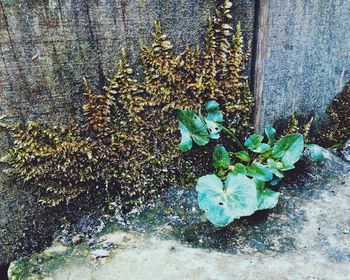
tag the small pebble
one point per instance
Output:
(76, 239)
(108, 245)
(126, 239)
(100, 253)
(346, 231)
(91, 242)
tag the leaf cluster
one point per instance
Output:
(249, 174)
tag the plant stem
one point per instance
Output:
(233, 136)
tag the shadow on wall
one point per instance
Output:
(3, 271)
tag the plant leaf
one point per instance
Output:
(316, 152)
(243, 156)
(253, 141)
(287, 166)
(267, 199)
(275, 181)
(262, 148)
(221, 157)
(239, 168)
(289, 149)
(213, 129)
(186, 140)
(213, 118)
(260, 172)
(274, 168)
(192, 128)
(223, 205)
(214, 113)
(271, 134)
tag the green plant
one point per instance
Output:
(249, 175)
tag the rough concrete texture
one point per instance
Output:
(27, 226)
(46, 48)
(306, 58)
(306, 237)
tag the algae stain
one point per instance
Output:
(41, 265)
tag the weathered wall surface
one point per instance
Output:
(304, 57)
(47, 46)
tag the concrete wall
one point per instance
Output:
(47, 46)
(303, 57)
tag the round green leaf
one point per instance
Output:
(214, 113)
(289, 148)
(267, 199)
(221, 157)
(209, 183)
(223, 205)
(239, 168)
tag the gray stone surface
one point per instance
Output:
(306, 58)
(346, 151)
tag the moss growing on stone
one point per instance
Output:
(40, 265)
(297, 125)
(125, 142)
(339, 116)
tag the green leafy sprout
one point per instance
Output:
(242, 182)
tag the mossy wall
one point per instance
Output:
(47, 46)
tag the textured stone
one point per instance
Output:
(27, 226)
(346, 151)
(305, 57)
(48, 46)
